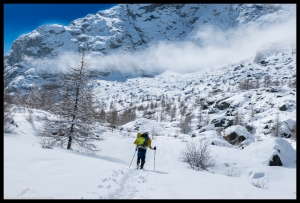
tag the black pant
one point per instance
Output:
(141, 155)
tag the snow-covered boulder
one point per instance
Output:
(222, 105)
(273, 152)
(238, 135)
(214, 139)
(144, 125)
(283, 106)
(218, 141)
(286, 128)
(222, 122)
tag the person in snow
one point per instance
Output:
(142, 149)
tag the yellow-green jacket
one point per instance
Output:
(148, 144)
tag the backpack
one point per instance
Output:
(141, 141)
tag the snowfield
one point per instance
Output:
(59, 173)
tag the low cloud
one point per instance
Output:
(206, 48)
(209, 47)
(56, 65)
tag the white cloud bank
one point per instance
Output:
(208, 47)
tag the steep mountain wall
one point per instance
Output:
(127, 28)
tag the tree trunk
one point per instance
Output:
(72, 126)
(69, 142)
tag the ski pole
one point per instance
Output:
(132, 158)
(154, 158)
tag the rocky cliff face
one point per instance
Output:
(133, 27)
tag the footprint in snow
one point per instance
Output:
(124, 184)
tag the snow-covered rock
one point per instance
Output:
(238, 135)
(267, 149)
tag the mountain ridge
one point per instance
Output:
(129, 28)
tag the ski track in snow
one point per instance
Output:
(122, 184)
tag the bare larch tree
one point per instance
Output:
(7, 112)
(275, 130)
(74, 116)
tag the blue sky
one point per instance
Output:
(23, 18)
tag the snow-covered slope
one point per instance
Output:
(219, 87)
(31, 172)
(259, 105)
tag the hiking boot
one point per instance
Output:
(142, 165)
